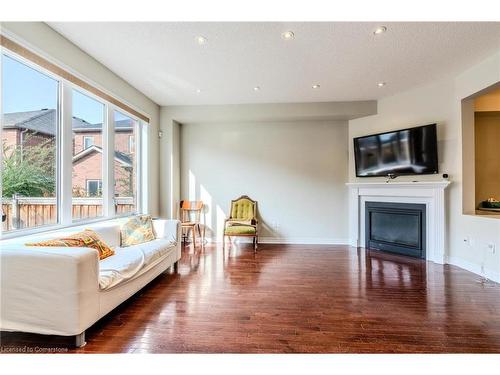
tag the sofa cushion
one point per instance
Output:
(132, 261)
(152, 250)
(137, 230)
(87, 238)
(108, 231)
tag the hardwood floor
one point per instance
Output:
(297, 298)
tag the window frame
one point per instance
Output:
(87, 181)
(71, 88)
(139, 158)
(64, 171)
(58, 142)
(85, 138)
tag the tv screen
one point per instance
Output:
(404, 152)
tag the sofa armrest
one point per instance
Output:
(48, 290)
(170, 230)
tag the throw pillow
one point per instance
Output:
(137, 230)
(87, 238)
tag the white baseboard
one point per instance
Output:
(474, 268)
(290, 240)
(305, 240)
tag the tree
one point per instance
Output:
(29, 170)
(124, 183)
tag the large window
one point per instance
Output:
(125, 164)
(87, 125)
(67, 154)
(29, 146)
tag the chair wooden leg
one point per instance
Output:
(256, 243)
(193, 229)
(200, 235)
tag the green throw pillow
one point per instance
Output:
(137, 230)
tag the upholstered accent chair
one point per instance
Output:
(242, 221)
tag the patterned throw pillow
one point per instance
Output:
(87, 238)
(137, 230)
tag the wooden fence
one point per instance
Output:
(29, 212)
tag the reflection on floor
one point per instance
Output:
(297, 298)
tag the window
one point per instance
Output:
(94, 188)
(88, 117)
(29, 146)
(87, 142)
(50, 176)
(125, 164)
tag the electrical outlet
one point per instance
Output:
(469, 241)
(491, 247)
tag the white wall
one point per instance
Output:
(295, 170)
(172, 116)
(48, 43)
(440, 102)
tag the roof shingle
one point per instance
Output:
(45, 120)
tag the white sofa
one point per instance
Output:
(63, 291)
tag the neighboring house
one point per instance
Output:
(39, 127)
(29, 128)
(87, 172)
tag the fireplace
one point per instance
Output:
(396, 227)
(428, 193)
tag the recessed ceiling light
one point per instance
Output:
(381, 84)
(256, 88)
(198, 91)
(288, 35)
(201, 40)
(380, 30)
(316, 86)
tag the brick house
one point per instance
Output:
(39, 128)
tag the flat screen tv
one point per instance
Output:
(410, 151)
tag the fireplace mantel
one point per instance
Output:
(398, 184)
(430, 193)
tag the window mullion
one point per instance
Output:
(108, 181)
(66, 155)
(142, 173)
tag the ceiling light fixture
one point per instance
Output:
(381, 84)
(201, 40)
(256, 88)
(198, 91)
(288, 35)
(380, 30)
(316, 86)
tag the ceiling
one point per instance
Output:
(165, 61)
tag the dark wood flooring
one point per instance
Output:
(296, 299)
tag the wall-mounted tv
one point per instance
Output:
(410, 151)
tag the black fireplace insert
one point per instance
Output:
(396, 227)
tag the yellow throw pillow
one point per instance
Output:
(87, 238)
(137, 230)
